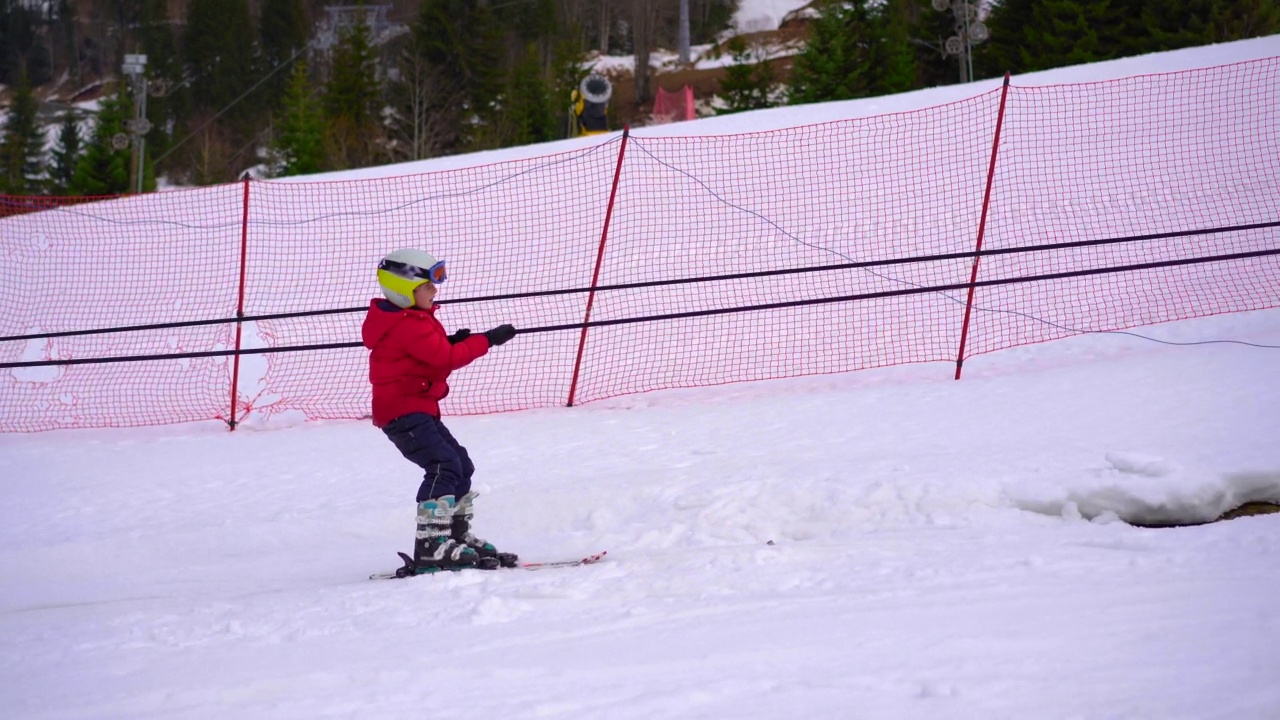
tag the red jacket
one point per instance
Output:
(411, 359)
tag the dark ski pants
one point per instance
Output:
(426, 442)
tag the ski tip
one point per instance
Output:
(583, 560)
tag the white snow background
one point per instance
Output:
(881, 544)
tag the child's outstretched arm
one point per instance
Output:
(437, 351)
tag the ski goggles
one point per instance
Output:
(435, 274)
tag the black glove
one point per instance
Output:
(500, 334)
(459, 336)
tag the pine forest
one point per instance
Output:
(207, 91)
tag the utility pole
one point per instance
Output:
(135, 67)
(969, 32)
(684, 31)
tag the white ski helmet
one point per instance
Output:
(401, 272)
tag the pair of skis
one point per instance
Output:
(407, 570)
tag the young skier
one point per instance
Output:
(410, 359)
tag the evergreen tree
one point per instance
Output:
(103, 169)
(1172, 24)
(352, 89)
(1064, 32)
(534, 20)
(893, 59)
(166, 106)
(1241, 19)
(157, 41)
(1029, 35)
(299, 141)
(1008, 23)
(351, 100)
(566, 73)
(22, 145)
(748, 80)
(62, 35)
(65, 154)
(1124, 26)
(535, 39)
(832, 66)
(857, 48)
(218, 49)
(22, 50)
(463, 40)
(529, 111)
(282, 34)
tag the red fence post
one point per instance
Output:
(244, 251)
(982, 226)
(595, 276)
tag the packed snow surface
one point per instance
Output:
(882, 544)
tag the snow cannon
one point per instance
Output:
(591, 104)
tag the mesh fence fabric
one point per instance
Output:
(22, 204)
(1173, 153)
(509, 228)
(129, 261)
(874, 189)
(675, 106)
(1142, 156)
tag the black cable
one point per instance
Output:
(697, 279)
(180, 324)
(639, 143)
(183, 355)
(722, 311)
(850, 264)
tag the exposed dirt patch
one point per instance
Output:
(1249, 508)
(1252, 508)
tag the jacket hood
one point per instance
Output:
(383, 316)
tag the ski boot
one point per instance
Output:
(434, 550)
(461, 533)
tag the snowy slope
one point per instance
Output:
(883, 544)
(929, 557)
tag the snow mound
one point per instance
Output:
(1148, 490)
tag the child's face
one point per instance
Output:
(424, 294)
